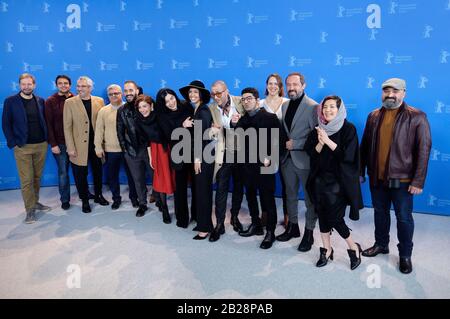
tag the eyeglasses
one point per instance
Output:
(114, 94)
(247, 99)
(217, 94)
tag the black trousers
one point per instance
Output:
(330, 205)
(204, 197)
(256, 182)
(139, 165)
(182, 176)
(223, 177)
(80, 175)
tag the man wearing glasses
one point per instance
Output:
(107, 146)
(80, 116)
(223, 109)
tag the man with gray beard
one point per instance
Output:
(395, 148)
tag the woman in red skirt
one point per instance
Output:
(158, 152)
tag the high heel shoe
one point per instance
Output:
(198, 237)
(355, 257)
(323, 260)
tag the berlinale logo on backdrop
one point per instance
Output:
(427, 31)
(123, 6)
(3, 7)
(105, 27)
(141, 26)
(299, 15)
(142, 66)
(103, 66)
(9, 47)
(159, 4)
(32, 67)
(444, 55)
(161, 44)
(390, 58)
(215, 22)
(395, 7)
(195, 3)
(88, 46)
(370, 81)
(422, 84)
(340, 60)
(197, 43)
(252, 63)
(236, 41)
(124, 46)
(175, 65)
(251, 18)
(214, 64)
(298, 62)
(174, 24)
(237, 83)
(348, 12)
(14, 86)
(322, 82)
(277, 40)
(163, 83)
(70, 67)
(441, 107)
(50, 47)
(27, 28)
(323, 37)
(46, 7)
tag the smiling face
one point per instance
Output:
(273, 87)
(294, 86)
(27, 86)
(63, 86)
(84, 89)
(392, 98)
(115, 96)
(171, 102)
(219, 93)
(130, 91)
(144, 108)
(194, 96)
(330, 110)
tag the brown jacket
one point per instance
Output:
(76, 126)
(410, 146)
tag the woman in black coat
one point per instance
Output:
(333, 182)
(202, 120)
(171, 115)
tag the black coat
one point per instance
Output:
(343, 162)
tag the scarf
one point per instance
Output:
(334, 125)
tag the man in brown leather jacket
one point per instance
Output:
(395, 148)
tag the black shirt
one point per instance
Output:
(88, 106)
(291, 110)
(35, 131)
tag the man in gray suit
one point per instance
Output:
(299, 119)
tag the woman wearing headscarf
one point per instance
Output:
(199, 97)
(158, 152)
(171, 115)
(334, 177)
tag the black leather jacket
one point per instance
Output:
(128, 132)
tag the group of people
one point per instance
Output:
(307, 143)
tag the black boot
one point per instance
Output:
(141, 210)
(323, 260)
(292, 231)
(116, 204)
(375, 250)
(355, 257)
(85, 207)
(166, 215)
(237, 226)
(217, 231)
(268, 240)
(405, 265)
(255, 228)
(99, 199)
(307, 241)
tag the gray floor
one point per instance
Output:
(117, 255)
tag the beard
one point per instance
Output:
(130, 98)
(293, 95)
(391, 103)
(27, 93)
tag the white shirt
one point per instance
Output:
(279, 112)
(226, 119)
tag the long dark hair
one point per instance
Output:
(160, 105)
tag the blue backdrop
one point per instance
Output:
(346, 48)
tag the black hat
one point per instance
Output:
(205, 96)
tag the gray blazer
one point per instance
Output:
(305, 120)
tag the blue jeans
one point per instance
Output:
(113, 161)
(62, 160)
(382, 197)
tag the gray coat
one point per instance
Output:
(305, 120)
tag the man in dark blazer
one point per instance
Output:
(299, 119)
(25, 131)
